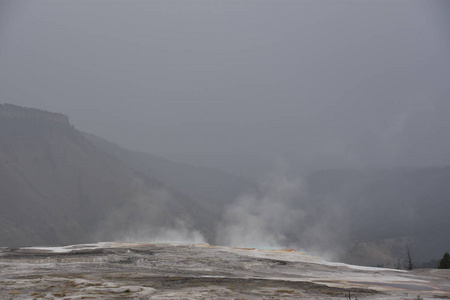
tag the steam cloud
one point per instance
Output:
(278, 216)
(263, 219)
(180, 232)
(146, 217)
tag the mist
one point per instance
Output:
(281, 215)
(277, 215)
(238, 85)
(263, 219)
(147, 217)
(344, 93)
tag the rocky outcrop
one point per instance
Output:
(10, 111)
(56, 187)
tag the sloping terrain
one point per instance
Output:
(169, 271)
(213, 188)
(56, 187)
(387, 209)
(59, 186)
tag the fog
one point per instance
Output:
(147, 217)
(278, 216)
(327, 112)
(240, 85)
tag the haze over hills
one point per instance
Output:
(58, 188)
(215, 189)
(61, 186)
(383, 210)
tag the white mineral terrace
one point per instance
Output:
(201, 271)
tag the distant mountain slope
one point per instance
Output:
(387, 208)
(215, 189)
(56, 187)
(60, 186)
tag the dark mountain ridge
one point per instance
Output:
(61, 186)
(213, 188)
(58, 188)
(10, 111)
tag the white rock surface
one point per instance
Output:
(177, 271)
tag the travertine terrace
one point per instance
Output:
(181, 271)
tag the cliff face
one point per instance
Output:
(58, 188)
(14, 112)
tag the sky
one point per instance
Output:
(243, 85)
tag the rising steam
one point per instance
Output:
(277, 215)
(264, 219)
(146, 217)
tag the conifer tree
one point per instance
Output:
(444, 263)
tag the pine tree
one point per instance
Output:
(444, 263)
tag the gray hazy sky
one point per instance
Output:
(236, 84)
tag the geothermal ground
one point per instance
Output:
(167, 271)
